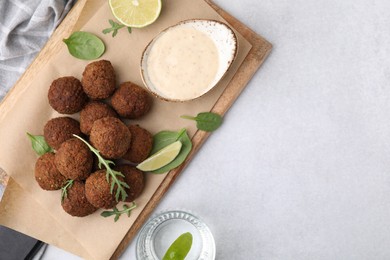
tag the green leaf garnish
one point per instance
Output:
(115, 27)
(115, 211)
(179, 248)
(165, 138)
(85, 46)
(64, 189)
(39, 144)
(110, 173)
(206, 121)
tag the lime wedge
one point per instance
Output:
(161, 158)
(136, 13)
(179, 248)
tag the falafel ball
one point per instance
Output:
(74, 159)
(131, 101)
(99, 79)
(140, 146)
(46, 173)
(134, 178)
(111, 137)
(97, 190)
(66, 95)
(93, 111)
(58, 130)
(75, 203)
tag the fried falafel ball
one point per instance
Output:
(66, 95)
(76, 203)
(93, 111)
(97, 190)
(140, 146)
(134, 178)
(58, 130)
(111, 137)
(99, 79)
(74, 159)
(47, 174)
(131, 101)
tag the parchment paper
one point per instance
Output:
(27, 110)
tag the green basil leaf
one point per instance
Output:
(165, 138)
(85, 46)
(206, 121)
(39, 144)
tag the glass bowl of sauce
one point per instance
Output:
(187, 60)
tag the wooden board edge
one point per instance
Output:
(260, 50)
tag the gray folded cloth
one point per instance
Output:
(25, 26)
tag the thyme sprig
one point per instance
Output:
(115, 27)
(64, 189)
(115, 211)
(121, 185)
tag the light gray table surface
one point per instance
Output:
(300, 168)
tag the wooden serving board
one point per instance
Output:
(257, 55)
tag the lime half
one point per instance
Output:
(136, 13)
(161, 158)
(179, 248)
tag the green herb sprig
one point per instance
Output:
(206, 121)
(39, 144)
(115, 211)
(64, 189)
(121, 185)
(115, 27)
(85, 45)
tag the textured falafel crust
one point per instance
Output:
(99, 79)
(66, 95)
(93, 111)
(97, 191)
(140, 146)
(58, 130)
(134, 178)
(75, 203)
(46, 173)
(74, 159)
(111, 137)
(131, 101)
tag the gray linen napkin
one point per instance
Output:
(25, 26)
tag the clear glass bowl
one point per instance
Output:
(160, 231)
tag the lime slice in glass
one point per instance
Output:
(179, 248)
(161, 158)
(136, 13)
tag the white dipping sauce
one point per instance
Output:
(182, 63)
